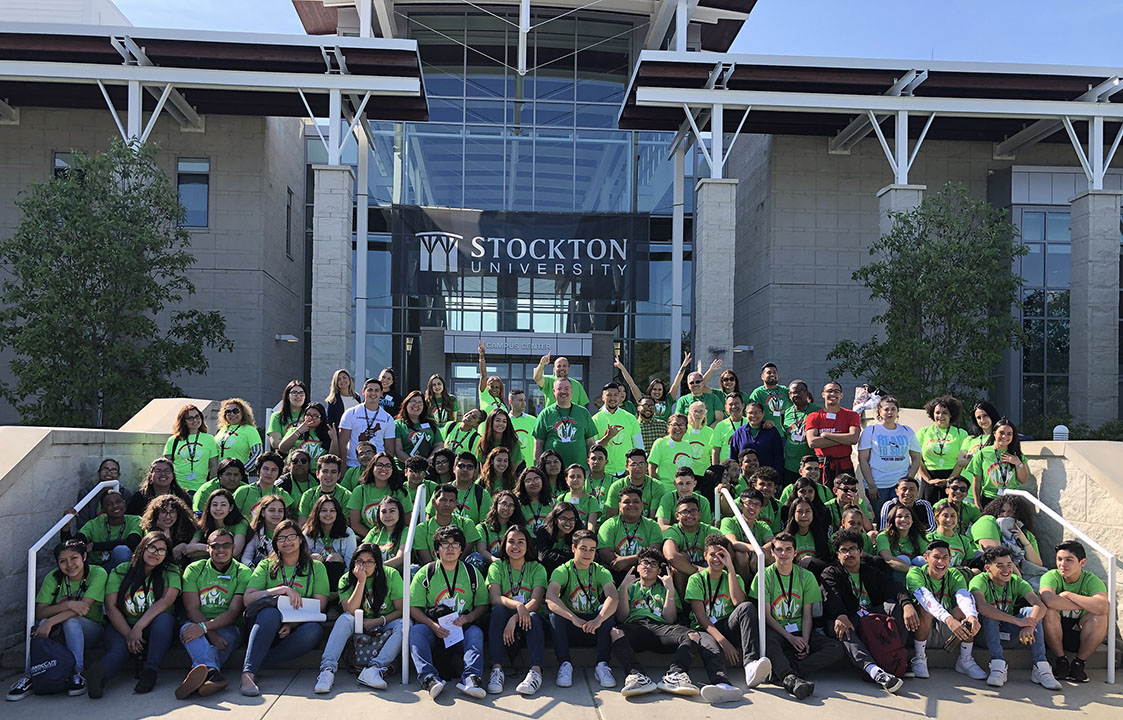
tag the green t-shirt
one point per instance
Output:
(943, 590)
(859, 588)
(535, 514)
(715, 596)
(646, 603)
(472, 503)
(968, 514)
(995, 474)
(275, 425)
(700, 441)
(835, 511)
(580, 397)
(651, 493)
(904, 545)
(490, 537)
(383, 539)
(566, 433)
(460, 439)
(460, 598)
(770, 513)
(599, 488)
(517, 584)
(626, 539)
(761, 531)
(586, 506)
(804, 545)
(191, 458)
(582, 590)
(417, 440)
(351, 477)
(423, 538)
(775, 402)
(666, 508)
(963, 548)
(1005, 598)
(820, 490)
(691, 544)
(248, 497)
(394, 591)
(311, 445)
(216, 589)
(312, 581)
(442, 413)
(489, 401)
(52, 591)
(99, 530)
(940, 448)
(237, 441)
(714, 403)
(787, 595)
(366, 497)
(668, 455)
(722, 432)
(793, 426)
(1088, 585)
(986, 528)
(623, 441)
(199, 502)
(524, 431)
(144, 596)
(312, 494)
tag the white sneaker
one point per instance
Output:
(495, 681)
(966, 665)
(1042, 674)
(757, 671)
(919, 667)
(635, 684)
(530, 683)
(324, 681)
(604, 675)
(721, 693)
(372, 678)
(565, 675)
(997, 677)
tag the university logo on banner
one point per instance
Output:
(439, 251)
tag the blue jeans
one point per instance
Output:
(203, 653)
(158, 635)
(992, 628)
(78, 633)
(884, 495)
(422, 639)
(302, 639)
(566, 632)
(535, 636)
(342, 631)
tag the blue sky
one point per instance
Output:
(1041, 31)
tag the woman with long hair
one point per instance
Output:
(1008, 520)
(730, 384)
(535, 495)
(498, 431)
(263, 524)
(329, 538)
(887, 452)
(376, 590)
(983, 417)
(139, 597)
(441, 463)
(516, 586)
(171, 516)
(192, 449)
(443, 407)
(498, 472)
(237, 435)
(160, 480)
(963, 548)
(389, 401)
(554, 538)
(587, 506)
(341, 397)
(901, 544)
(390, 523)
(380, 479)
(270, 465)
(293, 402)
(812, 545)
(491, 390)
(551, 466)
(290, 570)
(220, 511)
(503, 513)
(999, 464)
(417, 433)
(313, 435)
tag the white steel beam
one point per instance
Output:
(180, 109)
(1042, 129)
(860, 127)
(524, 30)
(384, 11)
(8, 114)
(661, 17)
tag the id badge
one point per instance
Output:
(1004, 636)
(448, 603)
(713, 620)
(862, 612)
(519, 598)
(190, 477)
(792, 627)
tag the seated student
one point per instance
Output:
(174, 518)
(963, 548)
(443, 587)
(375, 590)
(1008, 521)
(957, 490)
(329, 539)
(298, 478)
(231, 476)
(328, 472)
(854, 519)
(290, 571)
(946, 610)
(713, 480)
(806, 489)
(765, 479)
(582, 602)
(364, 453)
(503, 513)
(160, 480)
(70, 598)
(498, 472)
(417, 474)
(846, 494)
(907, 491)
(219, 511)
(270, 465)
(550, 465)
(587, 506)
(808, 528)
(139, 596)
(647, 616)
(516, 585)
(719, 608)
(809, 468)
(259, 542)
(747, 465)
(623, 535)
(795, 651)
(535, 495)
(1076, 619)
(213, 591)
(901, 544)
(744, 559)
(685, 482)
(464, 435)
(854, 587)
(651, 490)
(555, 538)
(599, 479)
(472, 499)
(112, 536)
(439, 470)
(444, 507)
(997, 592)
(684, 542)
(387, 534)
(380, 479)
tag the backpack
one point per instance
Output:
(882, 636)
(52, 665)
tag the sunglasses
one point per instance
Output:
(300, 461)
(232, 411)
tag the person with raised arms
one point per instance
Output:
(696, 383)
(623, 535)
(1077, 605)
(368, 422)
(651, 491)
(561, 372)
(490, 386)
(517, 588)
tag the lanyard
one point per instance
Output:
(628, 534)
(462, 504)
(941, 597)
(1004, 602)
(711, 594)
(290, 581)
(230, 434)
(515, 585)
(74, 595)
(690, 544)
(120, 534)
(192, 450)
(586, 590)
(789, 595)
(367, 598)
(856, 588)
(743, 421)
(941, 440)
(459, 435)
(451, 586)
(646, 597)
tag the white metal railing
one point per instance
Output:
(32, 569)
(761, 577)
(407, 559)
(1110, 562)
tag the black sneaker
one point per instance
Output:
(1076, 672)
(76, 686)
(797, 687)
(20, 689)
(145, 682)
(1060, 667)
(95, 681)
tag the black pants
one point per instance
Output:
(740, 629)
(647, 634)
(856, 650)
(823, 652)
(937, 492)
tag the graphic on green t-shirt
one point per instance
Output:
(903, 546)
(307, 580)
(714, 404)
(366, 497)
(383, 539)
(439, 581)
(566, 431)
(692, 544)
(761, 531)
(216, 588)
(582, 590)
(248, 497)
(394, 591)
(715, 595)
(312, 494)
(524, 432)
(939, 448)
(586, 506)
(276, 426)
(236, 441)
(580, 397)
(144, 596)
(996, 474)
(459, 438)
(623, 441)
(787, 594)
(669, 502)
(517, 584)
(646, 602)
(191, 457)
(962, 547)
(668, 455)
(700, 441)
(1087, 585)
(418, 439)
(793, 426)
(423, 539)
(968, 514)
(650, 494)
(775, 401)
(625, 538)
(92, 586)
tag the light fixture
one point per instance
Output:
(742, 348)
(286, 338)
(409, 343)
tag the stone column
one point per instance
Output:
(1093, 364)
(332, 294)
(897, 198)
(715, 238)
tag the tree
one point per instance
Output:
(98, 257)
(945, 274)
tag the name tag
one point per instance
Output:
(448, 602)
(791, 627)
(190, 476)
(424, 426)
(223, 577)
(713, 620)
(832, 416)
(1004, 636)
(519, 598)
(862, 612)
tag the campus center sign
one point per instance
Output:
(598, 254)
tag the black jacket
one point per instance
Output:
(839, 597)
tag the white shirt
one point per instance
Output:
(374, 426)
(889, 456)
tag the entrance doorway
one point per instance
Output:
(516, 371)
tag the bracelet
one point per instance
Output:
(203, 625)
(383, 621)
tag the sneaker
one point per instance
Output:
(433, 685)
(919, 667)
(146, 682)
(678, 683)
(635, 684)
(966, 665)
(887, 682)
(997, 677)
(604, 675)
(196, 676)
(213, 684)
(721, 693)
(76, 686)
(495, 681)
(565, 674)
(1076, 672)
(372, 678)
(473, 686)
(20, 689)
(324, 681)
(95, 681)
(530, 683)
(1042, 674)
(797, 687)
(1061, 667)
(757, 671)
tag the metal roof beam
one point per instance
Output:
(177, 106)
(1038, 131)
(384, 11)
(660, 23)
(860, 127)
(8, 114)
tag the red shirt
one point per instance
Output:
(839, 422)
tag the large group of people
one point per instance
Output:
(599, 524)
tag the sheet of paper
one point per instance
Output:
(308, 612)
(455, 632)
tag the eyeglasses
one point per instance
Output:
(193, 418)
(466, 466)
(156, 550)
(300, 461)
(232, 411)
(687, 511)
(168, 511)
(221, 546)
(287, 538)
(366, 563)
(449, 545)
(566, 519)
(957, 488)
(694, 382)
(111, 471)
(648, 563)
(295, 391)
(385, 465)
(849, 550)
(365, 453)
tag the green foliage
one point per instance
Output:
(1041, 427)
(944, 273)
(97, 258)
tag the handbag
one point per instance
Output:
(265, 601)
(363, 648)
(882, 637)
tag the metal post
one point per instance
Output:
(717, 142)
(362, 202)
(761, 578)
(524, 30)
(364, 18)
(676, 257)
(418, 512)
(682, 20)
(334, 115)
(1096, 152)
(901, 148)
(132, 126)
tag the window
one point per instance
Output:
(288, 222)
(62, 163)
(1045, 317)
(193, 181)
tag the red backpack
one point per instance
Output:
(881, 635)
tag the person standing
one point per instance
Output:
(794, 428)
(368, 422)
(941, 446)
(833, 432)
(192, 449)
(771, 395)
(887, 452)
(578, 396)
(567, 428)
(627, 436)
(523, 423)
(765, 441)
(699, 393)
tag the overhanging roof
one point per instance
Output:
(221, 73)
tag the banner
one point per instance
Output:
(594, 256)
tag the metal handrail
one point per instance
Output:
(761, 578)
(1110, 557)
(32, 569)
(407, 555)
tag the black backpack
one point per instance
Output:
(52, 665)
